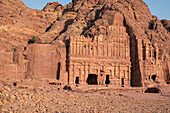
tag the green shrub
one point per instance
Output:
(46, 43)
(120, 94)
(5, 84)
(31, 41)
(35, 90)
(109, 94)
(25, 57)
(12, 16)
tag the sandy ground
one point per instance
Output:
(54, 99)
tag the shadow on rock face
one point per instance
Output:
(153, 90)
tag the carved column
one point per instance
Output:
(116, 51)
(126, 51)
(81, 49)
(71, 74)
(80, 75)
(94, 49)
(109, 50)
(119, 71)
(88, 48)
(104, 50)
(123, 52)
(97, 49)
(82, 46)
(76, 48)
(119, 50)
(113, 72)
(85, 73)
(72, 48)
(157, 52)
(147, 51)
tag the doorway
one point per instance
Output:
(122, 81)
(92, 79)
(107, 80)
(58, 71)
(77, 80)
(153, 77)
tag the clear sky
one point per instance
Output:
(160, 8)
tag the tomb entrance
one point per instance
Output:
(92, 79)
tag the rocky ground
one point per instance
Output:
(54, 99)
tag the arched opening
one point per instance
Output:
(155, 54)
(153, 77)
(58, 71)
(149, 77)
(77, 80)
(92, 79)
(150, 53)
(152, 90)
(122, 82)
(107, 80)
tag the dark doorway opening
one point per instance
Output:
(107, 80)
(14, 84)
(153, 77)
(58, 71)
(77, 80)
(92, 79)
(122, 81)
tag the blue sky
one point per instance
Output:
(160, 8)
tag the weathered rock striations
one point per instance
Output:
(53, 7)
(166, 24)
(18, 23)
(128, 45)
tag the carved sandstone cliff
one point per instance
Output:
(149, 40)
(91, 17)
(18, 24)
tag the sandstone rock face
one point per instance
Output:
(46, 61)
(166, 24)
(53, 7)
(148, 40)
(18, 23)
